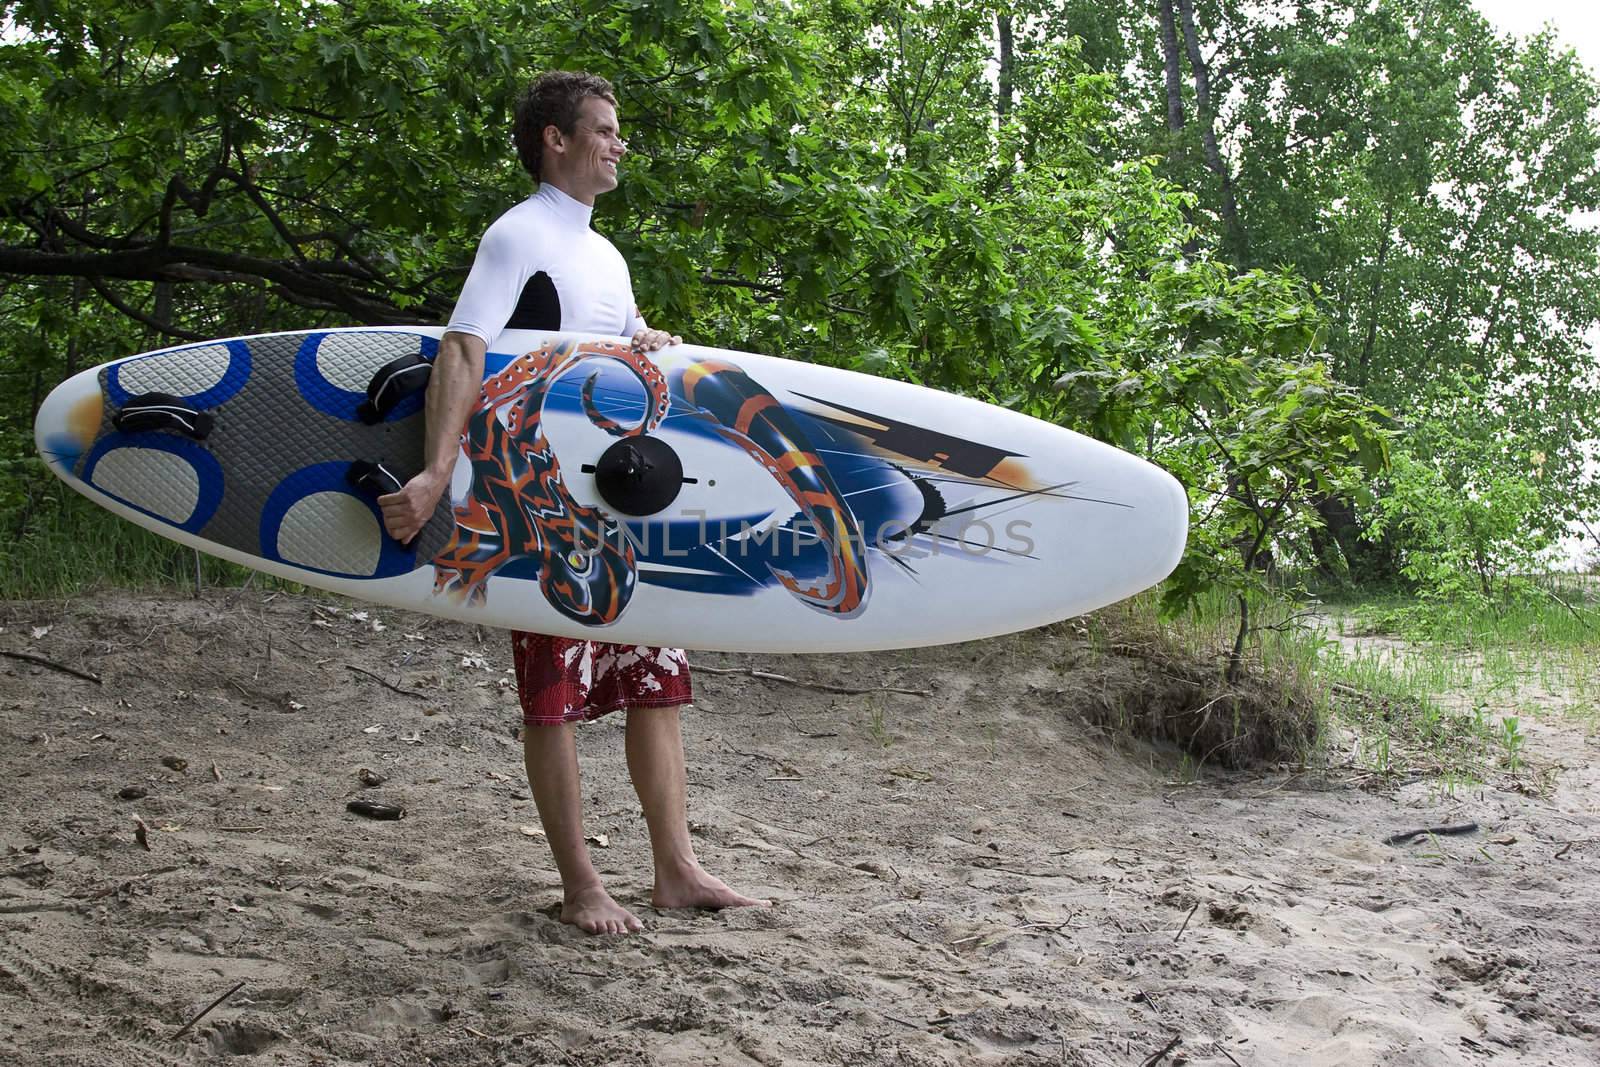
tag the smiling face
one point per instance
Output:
(583, 164)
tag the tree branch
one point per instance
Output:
(134, 313)
(240, 178)
(740, 283)
(182, 263)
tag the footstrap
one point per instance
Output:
(393, 382)
(373, 479)
(163, 411)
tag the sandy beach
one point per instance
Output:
(979, 875)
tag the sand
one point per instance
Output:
(976, 876)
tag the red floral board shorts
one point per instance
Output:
(560, 679)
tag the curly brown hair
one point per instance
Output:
(553, 99)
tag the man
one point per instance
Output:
(540, 266)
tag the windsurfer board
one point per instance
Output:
(691, 496)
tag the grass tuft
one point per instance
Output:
(65, 546)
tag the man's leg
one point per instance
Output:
(551, 756)
(655, 762)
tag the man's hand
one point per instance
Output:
(405, 513)
(453, 389)
(648, 340)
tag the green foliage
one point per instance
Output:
(826, 182)
(1461, 543)
(69, 546)
(1434, 203)
(1228, 394)
(1468, 508)
(1426, 176)
(840, 182)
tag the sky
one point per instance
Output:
(1577, 22)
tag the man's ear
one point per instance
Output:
(553, 139)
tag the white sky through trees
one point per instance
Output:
(1577, 22)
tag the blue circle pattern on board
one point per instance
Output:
(330, 399)
(233, 379)
(326, 478)
(208, 473)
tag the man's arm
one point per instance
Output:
(453, 389)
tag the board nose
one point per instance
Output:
(69, 420)
(1178, 501)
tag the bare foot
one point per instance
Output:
(593, 911)
(692, 887)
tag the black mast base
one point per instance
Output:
(639, 475)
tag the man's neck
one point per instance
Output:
(562, 205)
(567, 186)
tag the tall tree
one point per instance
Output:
(1427, 176)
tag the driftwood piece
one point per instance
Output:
(371, 809)
(1437, 831)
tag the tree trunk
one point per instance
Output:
(1364, 561)
(1172, 63)
(1489, 327)
(1169, 54)
(78, 286)
(1233, 235)
(1326, 549)
(1235, 669)
(1007, 67)
(1336, 544)
(1365, 362)
(163, 308)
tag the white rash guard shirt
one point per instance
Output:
(540, 267)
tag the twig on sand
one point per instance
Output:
(1218, 1046)
(388, 684)
(1148, 999)
(1438, 831)
(208, 1008)
(1186, 919)
(53, 665)
(1156, 1057)
(768, 676)
(1564, 850)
